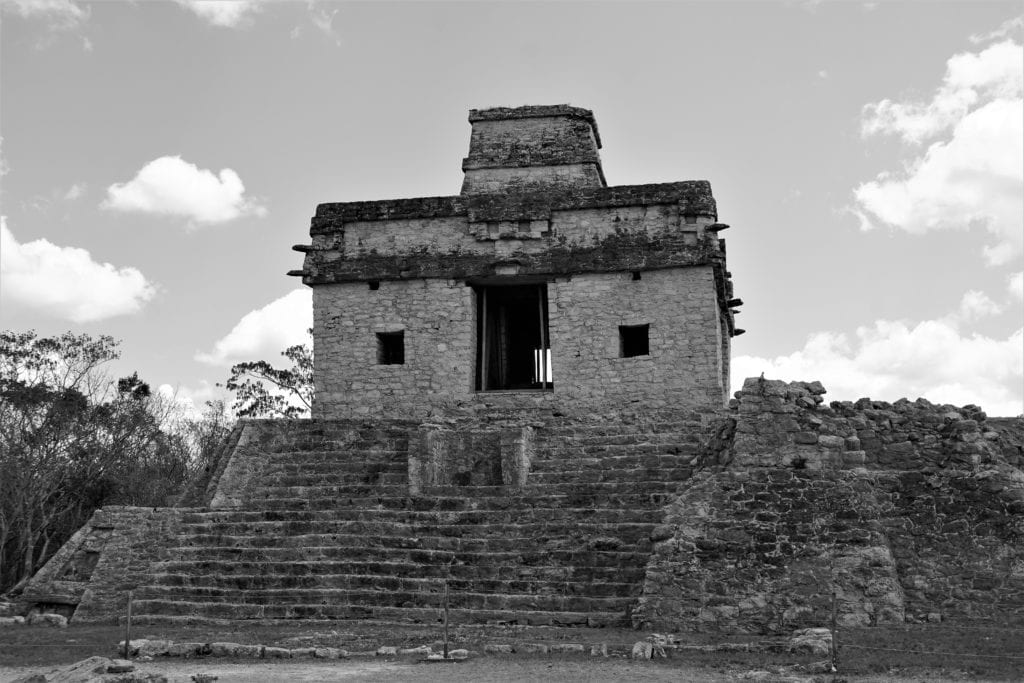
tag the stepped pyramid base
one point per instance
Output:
(529, 521)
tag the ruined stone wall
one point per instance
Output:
(438, 320)
(109, 556)
(908, 511)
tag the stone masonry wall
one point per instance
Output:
(438, 319)
(111, 555)
(908, 511)
(457, 241)
(683, 367)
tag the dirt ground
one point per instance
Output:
(897, 654)
(482, 670)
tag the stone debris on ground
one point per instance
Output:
(95, 670)
(813, 641)
(55, 620)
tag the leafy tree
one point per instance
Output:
(72, 439)
(261, 390)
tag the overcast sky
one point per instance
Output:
(160, 158)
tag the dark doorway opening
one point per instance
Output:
(513, 344)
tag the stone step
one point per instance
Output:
(219, 559)
(170, 611)
(474, 500)
(331, 491)
(618, 438)
(601, 475)
(341, 454)
(201, 568)
(533, 491)
(275, 598)
(565, 541)
(398, 477)
(391, 529)
(193, 585)
(508, 514)
(582, 462)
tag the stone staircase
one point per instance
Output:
(331, 531)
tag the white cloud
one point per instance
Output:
(974, 177)
(171, 186)
(893, 359)
(974, 306)
(1015, 285)
(823, 74)
(75, 191)
(970, 79)
(263, 333)
(1008, 27)
(224, 13)
(66, 282)
(59, 15)
(324, 21)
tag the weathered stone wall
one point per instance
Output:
(532, 146)
(549, 239)
(111, 555)
(438, 319)
(683, 367)
(439, 324)
(908, 511)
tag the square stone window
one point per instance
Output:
(391, 348)
(634, 340)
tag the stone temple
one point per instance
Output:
(522, 394)
(537, 286)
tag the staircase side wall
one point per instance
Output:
(109, 556)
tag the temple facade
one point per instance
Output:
(537, 285)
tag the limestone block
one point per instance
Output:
(188, 649)
(531, 648)
(330, 653)
(458, 654)
(387, 651)
(498, 649)
(148, 647)
(224, 649)
(120, 666)
(813, 641)
(567, 648)
(303, 652)
(277, 653)
(642, 649)
(49, 619)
